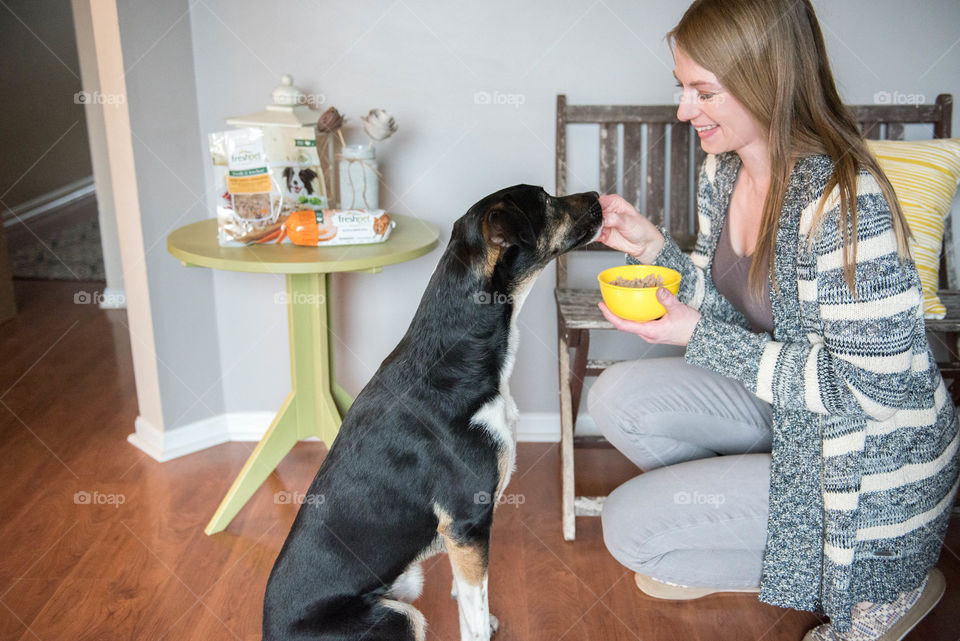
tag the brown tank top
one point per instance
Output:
(730, 278)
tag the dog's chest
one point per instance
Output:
(499, 415)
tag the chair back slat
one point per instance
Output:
(608, 158)
(870, 130)
(894, 131)
(681, 154)
(656, 171)
(633, 186)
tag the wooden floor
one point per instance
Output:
(101, 542)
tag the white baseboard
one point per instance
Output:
(533, 427)
(544, 427)
(55, 199)
(164, 445)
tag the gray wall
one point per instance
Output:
(40, 78)
(425, 61)
(169, 159)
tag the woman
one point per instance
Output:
(801, 315)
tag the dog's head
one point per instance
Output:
(516, 231)
(294, 184)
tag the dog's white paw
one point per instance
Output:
(494, 625)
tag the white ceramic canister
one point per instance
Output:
(358, 178)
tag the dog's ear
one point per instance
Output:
(496, 227)
(505, 225)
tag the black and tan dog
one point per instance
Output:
(428, 446)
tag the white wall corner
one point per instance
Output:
(165, 445)
(126, 201)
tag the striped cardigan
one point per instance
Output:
(864, 462)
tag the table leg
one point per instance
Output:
(315, 405)
(311, 369)
(340, 397)
(280, 438)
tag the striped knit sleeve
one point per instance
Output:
(859, 363)
(696, 285)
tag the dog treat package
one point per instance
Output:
(337, 227)
(261, 177)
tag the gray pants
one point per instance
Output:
(693, 517)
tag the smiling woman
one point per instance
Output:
(806, 353)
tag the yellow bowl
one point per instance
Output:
(636, 303)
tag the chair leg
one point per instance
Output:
(566, 442)
(581, 348)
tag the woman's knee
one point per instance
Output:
(624, 395)
(638, 407)
(625, 522)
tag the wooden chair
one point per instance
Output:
(660, 161)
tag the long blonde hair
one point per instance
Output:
(770, 55)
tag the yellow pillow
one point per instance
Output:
(924, 175)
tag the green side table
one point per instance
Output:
(316, 404)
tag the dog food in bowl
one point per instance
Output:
(650, 280)
(630, 291)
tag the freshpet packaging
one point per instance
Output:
(261, 176)
(337, 227)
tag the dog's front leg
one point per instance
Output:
(474, 611)
(469, 563)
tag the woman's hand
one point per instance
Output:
(627, 230)
(675, 327)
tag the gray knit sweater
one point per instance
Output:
(864, 464)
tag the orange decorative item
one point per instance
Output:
(308, 227)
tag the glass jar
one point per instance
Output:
(358, 177)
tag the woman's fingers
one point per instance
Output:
(609, 201)
(675, 327)
(625, 229)
(614, 203)
(623, 324)
(612, 219)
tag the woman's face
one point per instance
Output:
(722, 123)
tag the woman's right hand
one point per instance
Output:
(627, 230)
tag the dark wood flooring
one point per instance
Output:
(129, 560)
